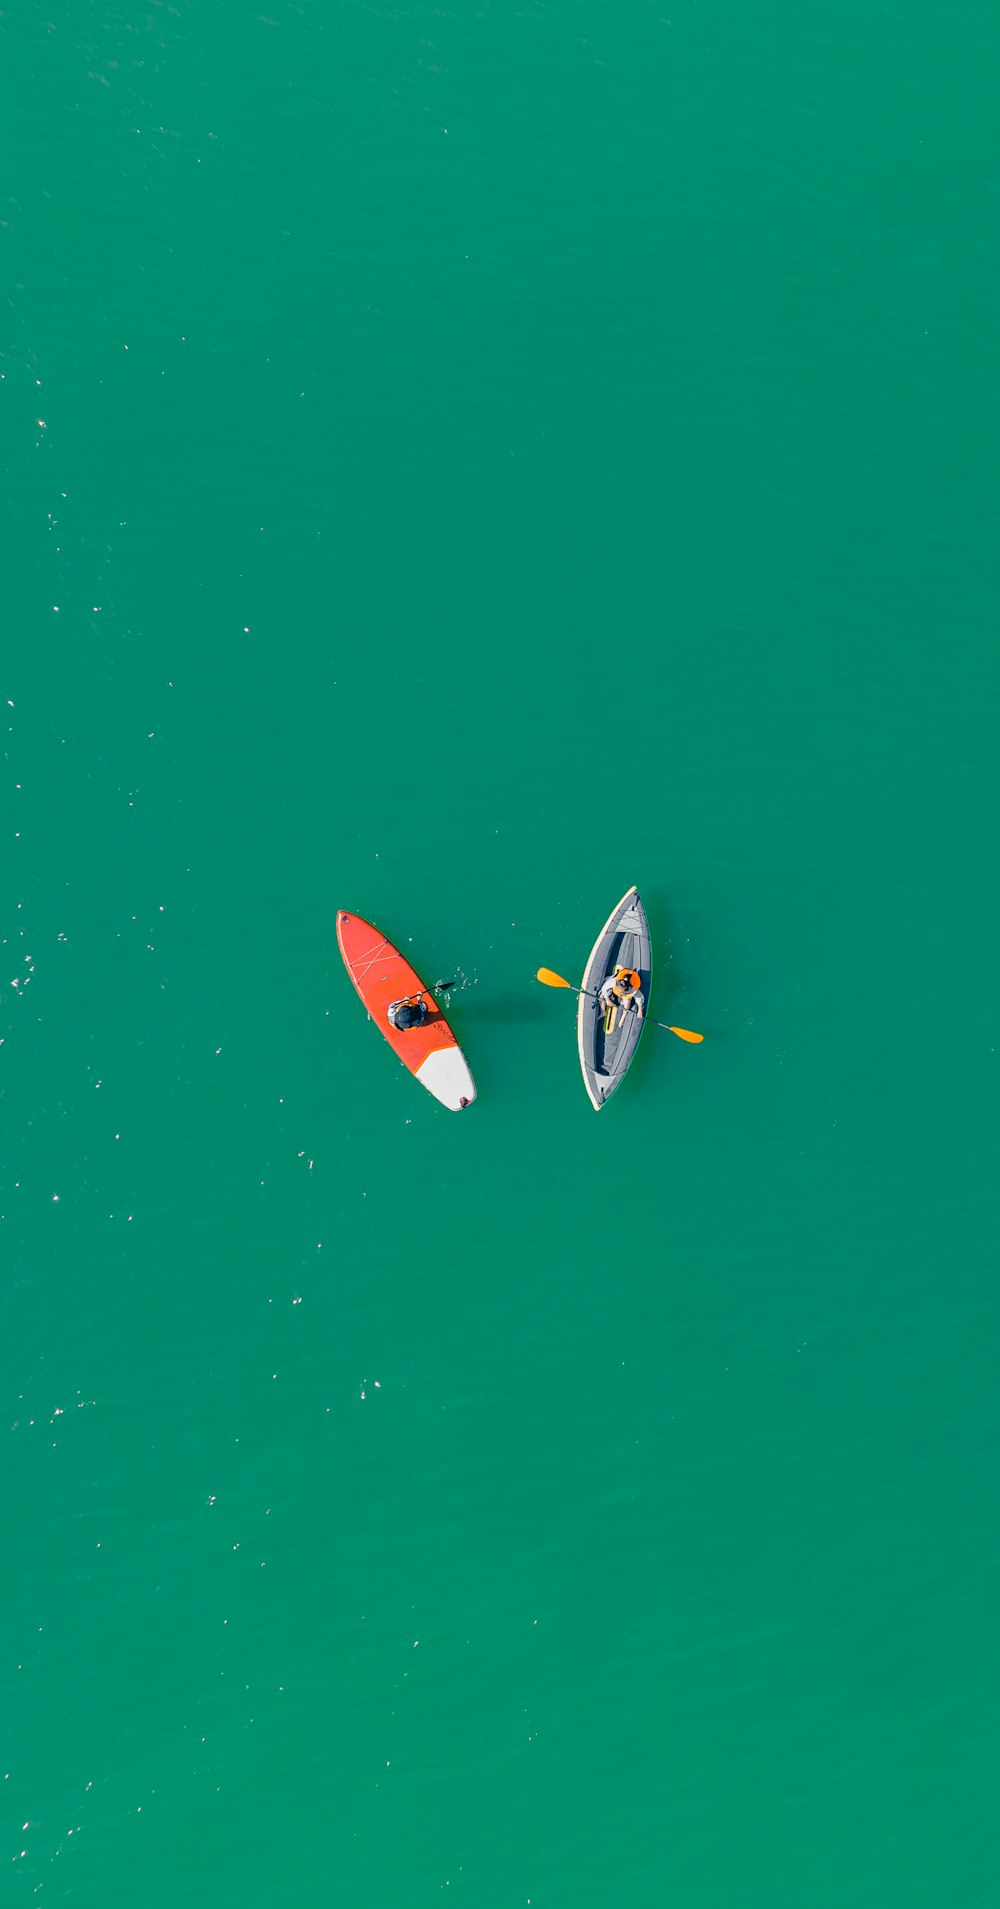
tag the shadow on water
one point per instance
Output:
(669, 980)
(669, 977)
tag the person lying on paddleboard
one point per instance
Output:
(622, 989)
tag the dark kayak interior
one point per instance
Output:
(607, 1044)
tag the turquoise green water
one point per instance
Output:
(460, 463)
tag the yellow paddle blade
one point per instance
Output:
(552, 980)
(683, 1033)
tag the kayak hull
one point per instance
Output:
(605, 1056)
(382, 975)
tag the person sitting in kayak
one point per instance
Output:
(623, 989)
(411, 1012)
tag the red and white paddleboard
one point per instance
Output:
(382, 975)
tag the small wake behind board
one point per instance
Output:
(381, 976)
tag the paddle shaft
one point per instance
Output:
(594, 996)
(557, 981)
(643, 1017)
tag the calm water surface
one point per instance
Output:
(461, 462)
